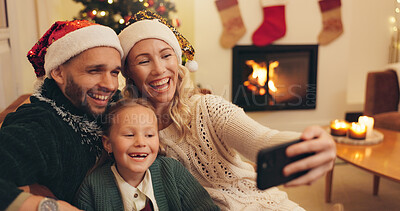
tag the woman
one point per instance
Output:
(205, 132)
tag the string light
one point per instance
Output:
(103, 13)
(392, 19)
(121, 21)
(110, 1)
(395, 40)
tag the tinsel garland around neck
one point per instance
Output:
(89, 130)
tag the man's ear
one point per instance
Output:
(58, 75)
(107, 143)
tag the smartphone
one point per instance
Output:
(270, 164)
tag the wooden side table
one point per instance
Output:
(382, 159)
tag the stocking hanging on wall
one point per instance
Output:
(232, 22)
(273, 26)
(331, 21)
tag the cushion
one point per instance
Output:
(388, 120)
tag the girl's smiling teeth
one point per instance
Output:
(138, 155)
(160, 85)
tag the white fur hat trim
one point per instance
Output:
(78, 41)
(146, 29)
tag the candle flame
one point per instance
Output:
(337, 124)
(358, 128)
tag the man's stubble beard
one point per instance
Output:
(75, 94)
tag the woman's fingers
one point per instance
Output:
(318, 141)
(313, 161)
(311, 176)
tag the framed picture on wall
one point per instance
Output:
(3, 14)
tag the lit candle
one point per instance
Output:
(357, 131)
(369, 122)
(339, 127)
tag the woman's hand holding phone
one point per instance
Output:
(316, 140)
(299, 162)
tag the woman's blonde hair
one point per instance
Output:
(179, 109)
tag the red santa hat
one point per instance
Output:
(66, 39)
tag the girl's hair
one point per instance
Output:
(179, 109)
(118, 106)
(109, 116)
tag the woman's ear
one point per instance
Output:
(107, 143)
(58, 75)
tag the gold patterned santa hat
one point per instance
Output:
(146, 24)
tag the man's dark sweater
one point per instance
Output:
(49, 142)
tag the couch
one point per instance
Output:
(382, 99)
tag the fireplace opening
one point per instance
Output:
(275, 77)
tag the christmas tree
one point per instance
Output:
(114, 13)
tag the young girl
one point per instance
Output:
(206, 132)
(139, 179)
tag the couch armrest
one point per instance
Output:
(382, 92)
(11, 108)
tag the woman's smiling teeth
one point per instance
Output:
(160, 85)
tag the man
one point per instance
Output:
(54, 140)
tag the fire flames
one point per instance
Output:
(258, 78)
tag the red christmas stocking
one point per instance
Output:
(274, 26)
(331, 21)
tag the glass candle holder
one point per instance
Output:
(339, 127)
(357, 131)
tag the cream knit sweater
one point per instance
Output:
(220, 129)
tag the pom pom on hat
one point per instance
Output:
(192, 66)
(146, 24)
(66, 39)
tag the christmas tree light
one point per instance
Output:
(115, 13)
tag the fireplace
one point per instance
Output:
(275, 77)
